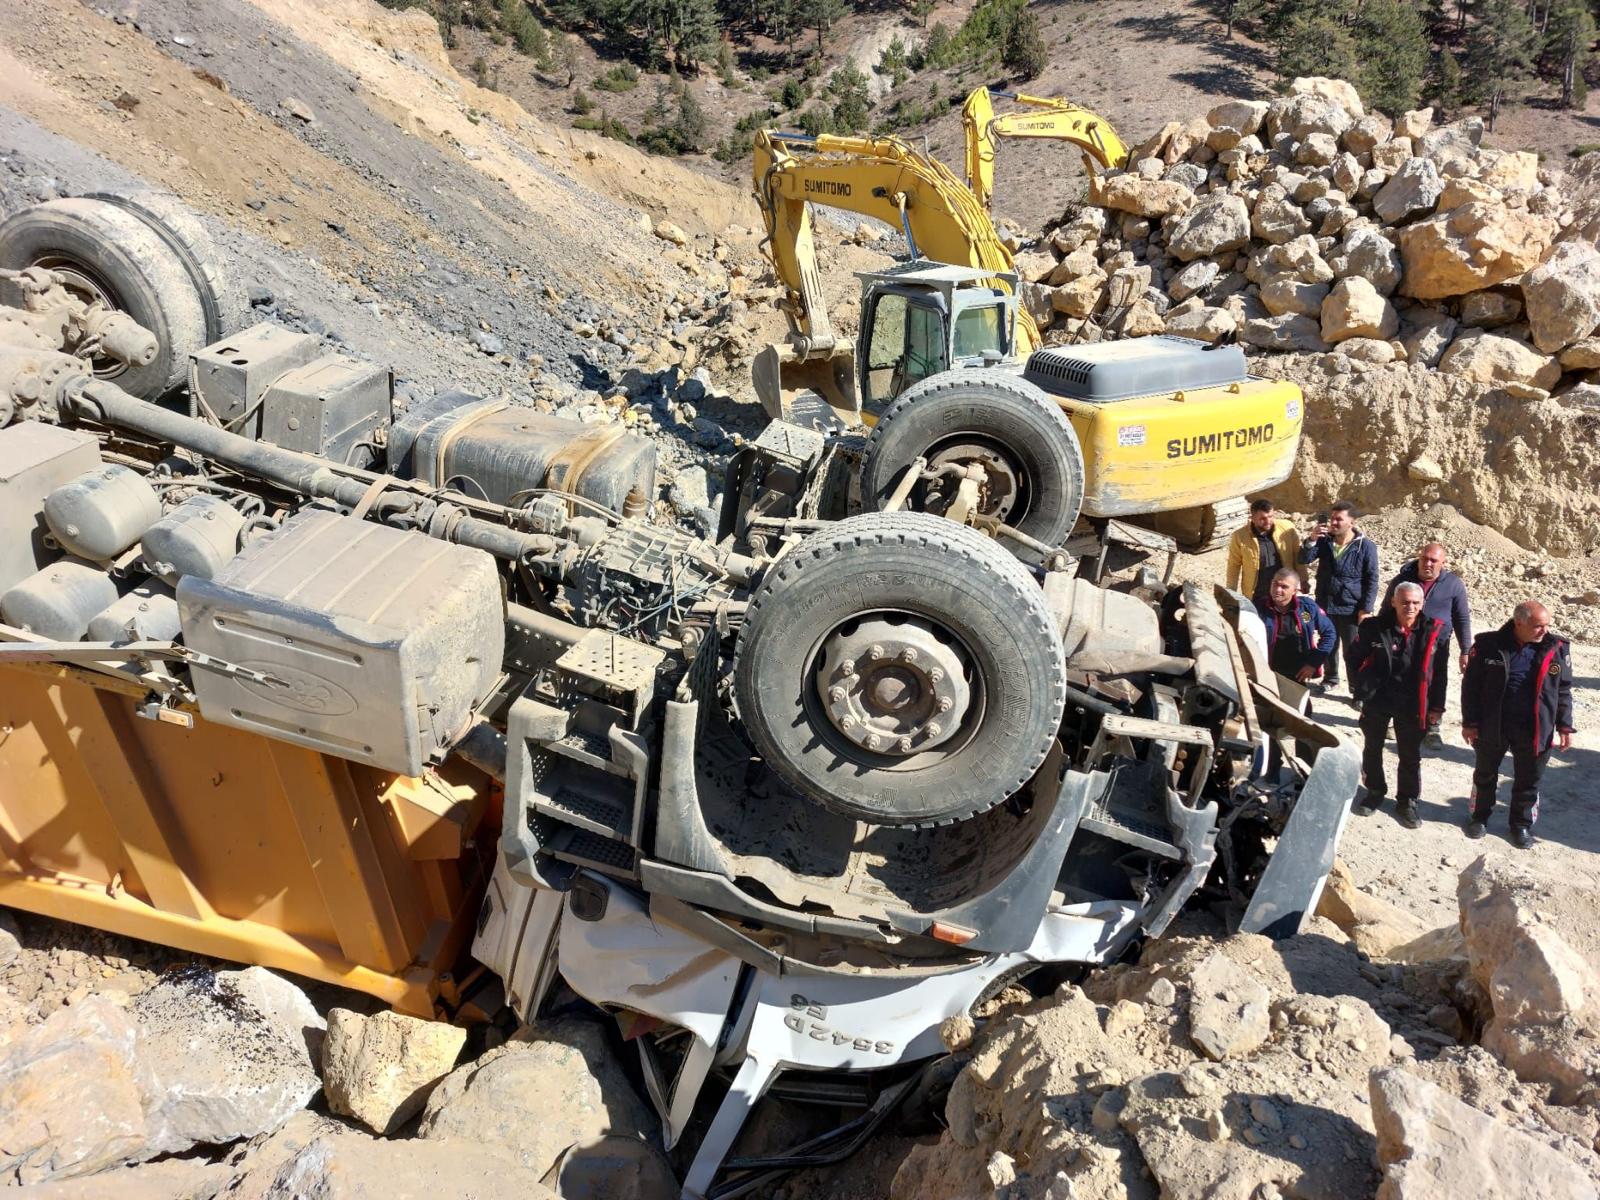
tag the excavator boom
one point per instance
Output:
(1039, 117)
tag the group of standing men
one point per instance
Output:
(1516, 687)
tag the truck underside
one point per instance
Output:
(293, 679)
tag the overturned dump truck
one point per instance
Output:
(291, 679)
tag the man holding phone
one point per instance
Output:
(1347, 579)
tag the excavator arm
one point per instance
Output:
(1040, 117)
(882, 178)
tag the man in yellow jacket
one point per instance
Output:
(1259, 549)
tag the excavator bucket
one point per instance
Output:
(812, 387)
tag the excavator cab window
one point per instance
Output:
(906, 346)
(980, 330)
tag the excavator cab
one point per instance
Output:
(923, 318)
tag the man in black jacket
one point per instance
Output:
(1444, 599)
(1347, 580)
(1516, 696)
(1393, 666)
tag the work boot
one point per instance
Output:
(1522, 837)
(1406, 813)
(1474, 828)
(1369, 804)
(1433, 739)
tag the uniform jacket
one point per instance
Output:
(1378, 674)
(1313, 633)
(1347, 584)
(1244, 555)
(1445, 600)
(1483, 687)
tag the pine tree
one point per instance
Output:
(848, 87)
(1317, 41)
(1024, 52)
(1499, 51)
(820, 16)
(921, 10)
(1445, 89)
(1392, 53)
(1569, 34)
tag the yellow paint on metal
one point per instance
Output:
(220, 842)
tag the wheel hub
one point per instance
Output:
(894, 687)
(1000, 485)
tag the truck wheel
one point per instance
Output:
(992, 419)
(900, 669)
(108, 252)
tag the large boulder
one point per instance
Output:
(1452, 147)
(1410, 192)
(71, 1095)
(1414, 123)
(1354, 309)
(1276, 218)
(1288, 332)
(1229, 1009)
(1233, 121)
(1470, 248)
(1142, 197)
(232, 1054)
(553, 1092)
(1370, 131)
(1192, 279)
(1563, 296)
(1083, 297)
(380, 1069)
(1286, 294)
(1217, 223)
(1509, 170)
(1427, 336)
(1367, 253)
(1201, 324)
(1431, 1145)
(1494, 360)
(1300, 258)
(1339, 91)
(1374, 925)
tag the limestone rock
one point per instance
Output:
(1463, 189)
(1217, 223)
(1431, 1145)
(1455, 143)
(1489, 310)
(1429, 336)
(1192, 279)
(1367, 350)
(1509, 170)
(1144, 197)
(1414, 124)
(1339, 91)
(556, 1086)
(1318, 150)
(1582, 355)
(10, 939)
(1355, 309)
(380, 1069)
(1370, 131)
(1411, 191)
(1563, 296)
(1472, 247)
(1390, 156)
(1202, 324)
(1276, 218)
(1234, 120)
(232, 1055)
(1285, 294)
(71, 1100)
(1299, 258)
(1374, 925)
(1081, 298)
(1228, 1009)
(1035, 266)
(1367, 253)
(1288, 332)
(1492, 359)
(1424, 470)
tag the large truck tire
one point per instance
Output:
(126, 259)
(1024, 442)
(900, 669)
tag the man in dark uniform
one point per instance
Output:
(1444, 597)
(1393, 664)
(1299, 635)
(1516, 696)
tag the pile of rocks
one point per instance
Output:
(1317, 1066)
(1308, 223)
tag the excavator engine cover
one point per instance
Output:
(1109, 371)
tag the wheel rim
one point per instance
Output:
(88, 287)
(1004, 492)
(893, 689)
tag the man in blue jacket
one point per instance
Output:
(1516, 696)
(1299, 635)
(1444, 599)
(1347, 580)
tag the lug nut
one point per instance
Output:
(946, 704)
(874, 651)
(847, 722)
(935, 729)
(909, 654)
(936, 675)
(873, 741)
(836, 695)
(848, 667)
(903, 745)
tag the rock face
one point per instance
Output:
(1471, 247)
(1563, 296)
(71, 1099)
(554, 1091)
(380, 1069)
(1432, 1145)
(1493, 360)
(231, 1054)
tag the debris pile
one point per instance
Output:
(1443, 292)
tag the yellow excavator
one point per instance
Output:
(1040, 117)
(947, 368)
